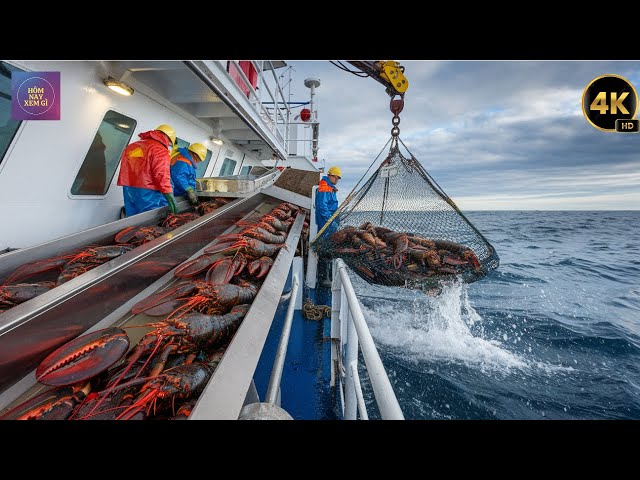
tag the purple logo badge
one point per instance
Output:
(35, 95)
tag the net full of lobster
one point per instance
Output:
(401, 229)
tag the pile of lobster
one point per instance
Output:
(386, 257)
(35, 278)
(137, 236)
(97, 376)
(46, 274)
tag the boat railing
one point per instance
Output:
(349, 335)
(270, 408)
(274, 119)
(273, 390)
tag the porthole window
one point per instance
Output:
(103, 157)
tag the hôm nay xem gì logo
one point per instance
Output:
(35, 95)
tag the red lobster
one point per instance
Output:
(12, 295)
(176, 220)
(158, 393)
(260, 267)
(190, 334)
(219, 271)
(202, 296)
(55, 404)
(90, 258)
(83, 357)
(207, 207)
(140, 235)
(235, 244)
(37, 268)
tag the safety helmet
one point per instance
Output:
(335, 171)
(169, 131)
(199, 149)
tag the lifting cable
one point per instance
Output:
(353, 191)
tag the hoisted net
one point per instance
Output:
(401, 229)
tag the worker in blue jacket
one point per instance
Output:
(327, 200)
(183, 170)
(326, 205)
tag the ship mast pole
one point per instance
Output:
(312, 84)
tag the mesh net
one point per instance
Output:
(401, 229)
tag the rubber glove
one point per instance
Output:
(193, 198)
(171, 201)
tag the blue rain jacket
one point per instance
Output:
(326, 205)
(138, 200)
(183, 172)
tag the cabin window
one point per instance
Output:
(228, 166)
(180, 143)
(8, 126)
(201, 167)
(245, 170)
(104, 154)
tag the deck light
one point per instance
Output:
(119, 87)
(216, 140)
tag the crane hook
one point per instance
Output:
(396, 105)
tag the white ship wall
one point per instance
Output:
(44, 157)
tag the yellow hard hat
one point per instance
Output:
(174, 151)
(169, 131)
(335, 171)
(199, 149)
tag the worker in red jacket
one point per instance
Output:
(144, 172)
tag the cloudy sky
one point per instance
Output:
(493, 134)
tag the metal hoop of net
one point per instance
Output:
(401, 229)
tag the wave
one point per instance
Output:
(445, 328)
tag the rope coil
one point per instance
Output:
(315, 312)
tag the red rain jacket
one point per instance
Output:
(145, 163)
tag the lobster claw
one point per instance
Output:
(55, 404)
(165, 301)
(225, 243)
(126, 235)
(83, 357)
(260, 267)
(193, 267)
(223, 270)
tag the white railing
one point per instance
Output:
(273, 390)
(275, 120)
(349, 331)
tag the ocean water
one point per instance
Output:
(553, 333)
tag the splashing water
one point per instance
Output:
(552, 334)
(437, 329)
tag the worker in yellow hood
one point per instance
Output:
(183, 170)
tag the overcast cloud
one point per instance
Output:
(493, 134)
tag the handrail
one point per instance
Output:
(224, 395)
(287, 124)
(253, 96)
(195, 68)
(357, 334)
(359, 395)
(281, 352)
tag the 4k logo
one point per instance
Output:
(609, 103)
